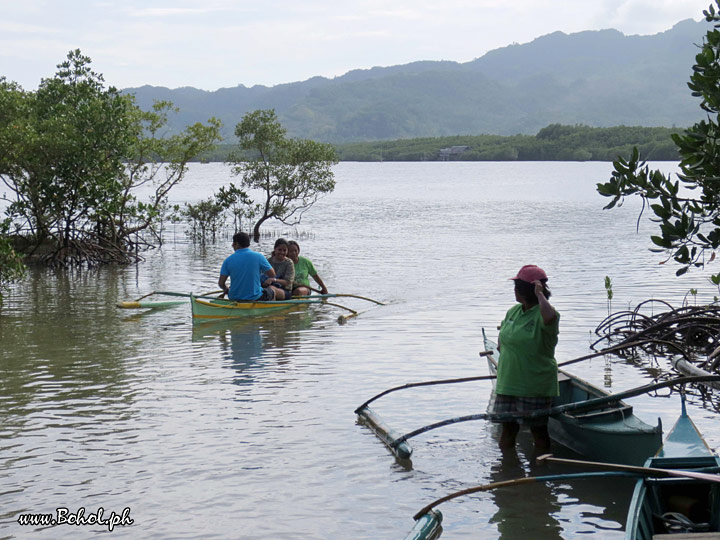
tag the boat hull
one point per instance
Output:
(612, 433)
(227, 309)
(696, 500)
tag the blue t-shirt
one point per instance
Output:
(244, 268)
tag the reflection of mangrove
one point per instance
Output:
(249, 344)
(686, 337)
(66, 338)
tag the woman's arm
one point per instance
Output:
(546, 310)
(319, 281)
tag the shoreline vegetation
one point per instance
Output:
(556, 142)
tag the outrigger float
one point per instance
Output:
(584, 418)
(677, 493)
(209, 307)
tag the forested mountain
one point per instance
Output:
(595, 78)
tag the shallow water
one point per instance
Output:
(246, 429)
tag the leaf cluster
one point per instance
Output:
(556, 142)
(287, 175)
(686, 209)
(72, 154)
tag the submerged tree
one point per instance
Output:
(289, 174)
(73, 153)
(11, 265)
(687, 209)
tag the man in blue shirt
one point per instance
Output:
(244, 268)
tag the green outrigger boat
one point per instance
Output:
(219, 308)
(209, 307)
(676, 507)
(611, 433)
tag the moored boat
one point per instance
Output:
(610, 433)
(675, 507)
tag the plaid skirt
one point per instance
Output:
(519, 404)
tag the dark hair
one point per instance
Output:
(279, 242)
(294, 243)
(242, 239)
(526, 291)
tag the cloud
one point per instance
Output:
(215, 43)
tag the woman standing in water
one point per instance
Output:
(527, 370)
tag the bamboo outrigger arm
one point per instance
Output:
(570, 407)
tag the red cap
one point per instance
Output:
(530, 273)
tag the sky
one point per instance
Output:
(211, 44)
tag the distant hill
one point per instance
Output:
(595, 78)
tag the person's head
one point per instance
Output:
(280, 250)
(525, 286)
(293, 250)
(241, 240)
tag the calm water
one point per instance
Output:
(247, 430)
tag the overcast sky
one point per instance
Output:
(211, 44)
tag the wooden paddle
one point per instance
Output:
(645, 471)
(520, 481)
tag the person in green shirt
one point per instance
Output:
(303, 268)
(527, 370)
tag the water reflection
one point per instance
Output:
(516, 518)
(249, 344)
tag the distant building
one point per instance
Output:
(447, 153)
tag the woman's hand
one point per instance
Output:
(539, 288)
(546, 310)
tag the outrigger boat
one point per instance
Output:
(208, 307)
(608, 433)
(584, 418)
(677, 507)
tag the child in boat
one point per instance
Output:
(303, 268)
(284, 271)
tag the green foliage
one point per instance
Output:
(553, 143)
(205, 218)
(11, 264)
(238, 203)
(687, 210)
(73, 152)
(608, 288)
(609, 291)
(290, 174)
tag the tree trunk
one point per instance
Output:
(256, 228)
